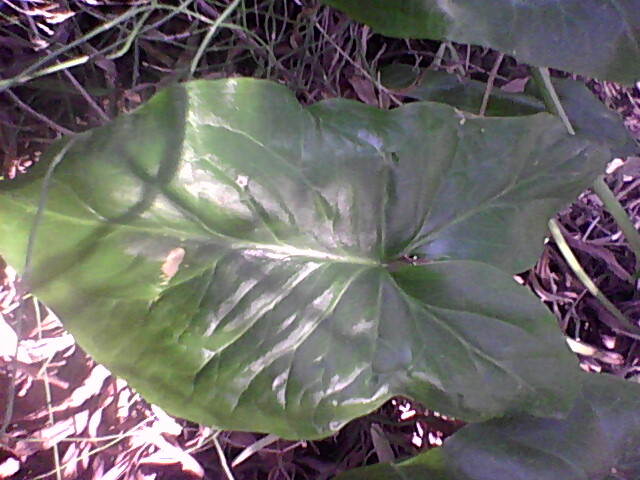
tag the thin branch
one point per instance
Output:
(44, 119)
(490, 82)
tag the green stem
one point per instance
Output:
(619, 215)
(35, 70)
(553, 104)
(619, 322)
(550, 97)
(209, 36)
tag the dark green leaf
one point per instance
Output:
(589, 117)
(598, 440)
(463, 93)
(253, 273)
(399, 76)
(598, 38)
(592, 120)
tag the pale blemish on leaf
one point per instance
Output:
(172, 263)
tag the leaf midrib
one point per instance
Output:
(284, 250)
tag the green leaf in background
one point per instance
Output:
(589, 117)
(597, 441)
(460, 92)
(598, 38)
(243, 261)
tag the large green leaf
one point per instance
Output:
(598, 38)
(599, 440)
(293, 308)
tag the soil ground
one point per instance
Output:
(74, 65)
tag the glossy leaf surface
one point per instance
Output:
(598, 38)
(598, 441)
(252, 272)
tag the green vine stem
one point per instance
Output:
(618, 323)
(550, 97)
(612, 204)
(209, 36)
(552, 102)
